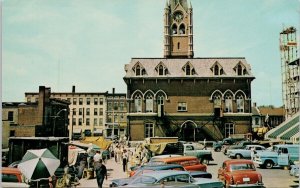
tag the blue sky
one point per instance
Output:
(86, 43)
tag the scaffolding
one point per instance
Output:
(289, 71)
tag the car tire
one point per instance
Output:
(218, 149)
(238, 156)
(205, 161)
(269, 164)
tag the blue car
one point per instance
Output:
(156, 178)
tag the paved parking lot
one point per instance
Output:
(272, 178)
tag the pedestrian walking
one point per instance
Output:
(125, 160)
(101, 173)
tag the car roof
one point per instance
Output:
(165, 173)
(163, 166)
(181, 158)
(238, 161)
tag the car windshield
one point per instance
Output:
(144, 180)
(246, 166)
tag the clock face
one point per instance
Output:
(178, 16)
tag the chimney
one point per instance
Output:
(73, 89)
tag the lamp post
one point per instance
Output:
(57, 115)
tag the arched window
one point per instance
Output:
(188, 70)
(143, 71)
(160, 70)
(174, 29)
(217, 100)
(182, 29)
(138, 70)
(216, 70)
(149, 103)
(178, 45)
(138, 103)
(228, 103)
(239, 69)
(240, 103)
(160, 99)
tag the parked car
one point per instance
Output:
(145, 169)
(12, 177)
(239, 173)
(166, 176)
(217, 146)
(240, 145)
(279, 155)
(245, 152)
(190, 163)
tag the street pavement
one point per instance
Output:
(114, 171)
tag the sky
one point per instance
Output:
(86, 43)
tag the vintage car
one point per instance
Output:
(240, 145)
(150, 168)
(245, 152)
(154, 179)
(239, 173)
(190, 163)
(12, 177)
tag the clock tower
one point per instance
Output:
(178, 29)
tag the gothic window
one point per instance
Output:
(138, 103)
(240, 69)
(228, 103)
(240, 103)
(139, 70)
(160, 99)
(217, 69)
(161, 69)
(189, 69)
(174, 29)
(182, 29)
(217, 100)
(149, 103)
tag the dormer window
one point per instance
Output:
(189, 69)
(217, 69)
(161, 69)
(139, 70)
(240, 69)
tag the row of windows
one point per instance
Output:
(87, 121)
(88, 111)
(216, 69)
(117, 117)
(96, 101)
(149, 102)
(117, 106)
(228, 101)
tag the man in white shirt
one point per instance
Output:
(97, 156)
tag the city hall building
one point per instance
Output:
(180, 95)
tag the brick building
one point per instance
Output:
(44, 117)
(179, 95)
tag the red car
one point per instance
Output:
(236, 173)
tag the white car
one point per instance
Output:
(245, 153)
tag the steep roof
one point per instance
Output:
(202, 67)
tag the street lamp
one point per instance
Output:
(57, 115)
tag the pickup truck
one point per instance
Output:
(280, 155)
(192, 149)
